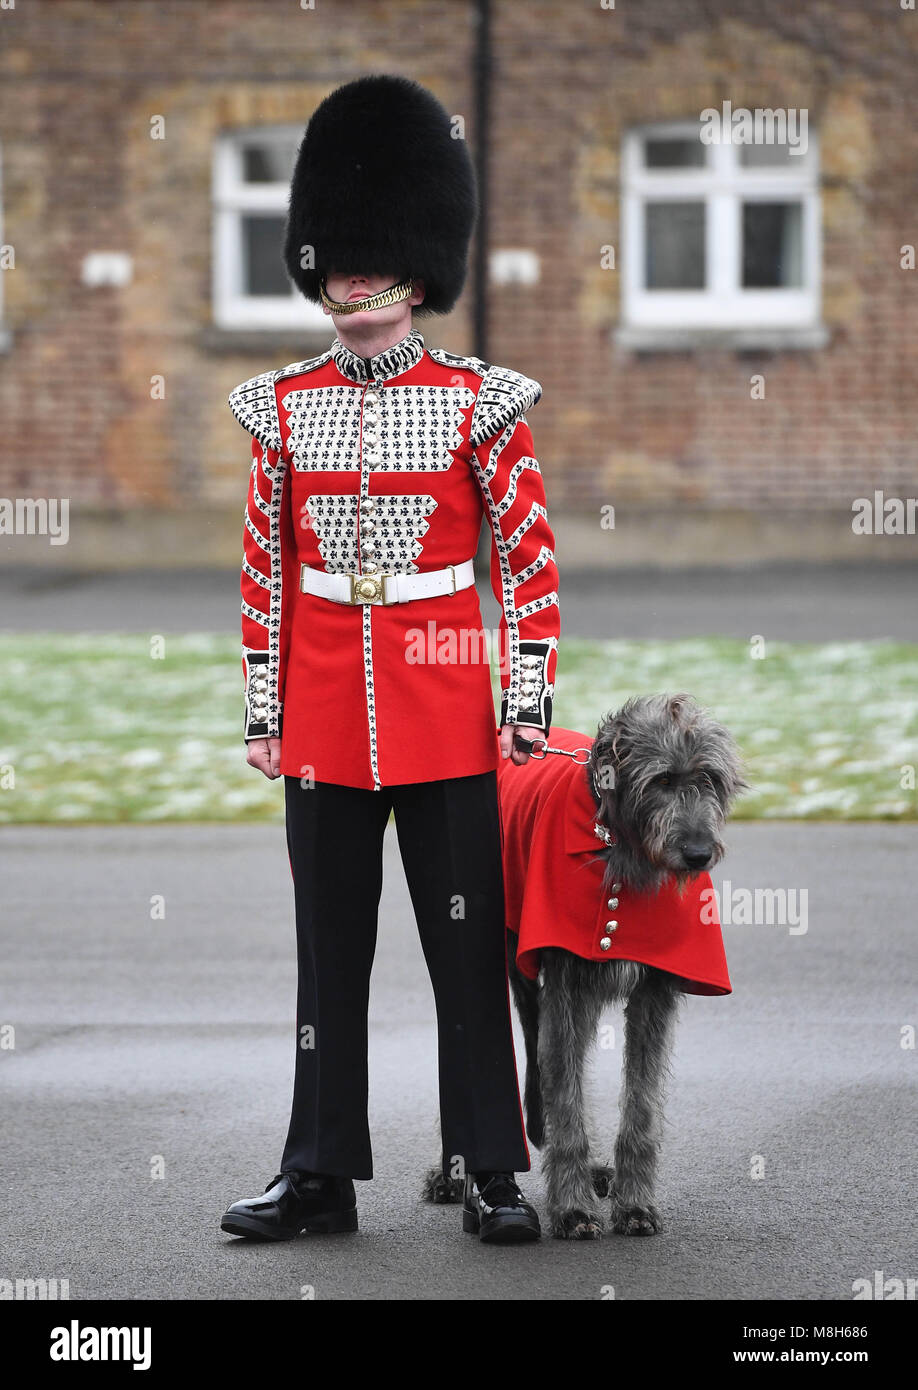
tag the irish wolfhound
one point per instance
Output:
(661, 775)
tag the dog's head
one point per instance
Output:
(666, 774)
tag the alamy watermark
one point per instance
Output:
(25, 1290)
(757, 907)
(36, 516)
(763, 126)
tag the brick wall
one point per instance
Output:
(79, 83)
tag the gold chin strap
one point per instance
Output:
(392, 295)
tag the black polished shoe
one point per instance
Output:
(294, 1202)
(498, 1212)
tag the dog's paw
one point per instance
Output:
(442, 1189)
(601, 1176)
(635, 1221)
(577, 1225)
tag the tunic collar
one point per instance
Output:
(392, 361)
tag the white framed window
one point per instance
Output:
(252, 169)
(723, 237)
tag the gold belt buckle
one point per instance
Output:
(369, 588)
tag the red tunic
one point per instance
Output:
(553, 882)
(387, 465)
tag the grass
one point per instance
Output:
(99, 728)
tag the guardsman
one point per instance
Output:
(365, 663)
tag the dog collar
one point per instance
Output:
(601, 831)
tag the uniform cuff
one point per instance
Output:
(258, 722)
(528, 697)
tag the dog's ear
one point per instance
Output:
(614, 750)
(735, 785)
(683, 709)
(740, 784)
(677, 707)
(608, 744)
(726, 761)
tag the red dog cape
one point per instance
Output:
(553, 882)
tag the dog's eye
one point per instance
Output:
(663, 780)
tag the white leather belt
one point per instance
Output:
(386, 588)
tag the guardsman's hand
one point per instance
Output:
(264, 753)
(507, 749)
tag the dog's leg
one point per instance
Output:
(526, 997)
(649, 1020)
(568, 1016)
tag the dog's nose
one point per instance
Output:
(696, 855)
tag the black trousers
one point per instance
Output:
(449, 840)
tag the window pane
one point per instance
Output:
(262, 243)
(271, 162)
(772, 245)
(674, 237)
(660, 153)
(768, 157)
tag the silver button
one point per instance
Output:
(613, 902)
(605, 943)
(616, 887)
(369, 504)
(370, 568)
(611, 926)
(369, 525)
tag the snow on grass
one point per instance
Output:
(110, 733)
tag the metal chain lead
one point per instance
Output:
(524, 745)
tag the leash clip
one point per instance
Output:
(524, 745)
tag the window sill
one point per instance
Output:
(730, 339)
(244, 341)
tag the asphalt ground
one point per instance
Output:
(145, 1045)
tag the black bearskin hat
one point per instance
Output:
(381, 187)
